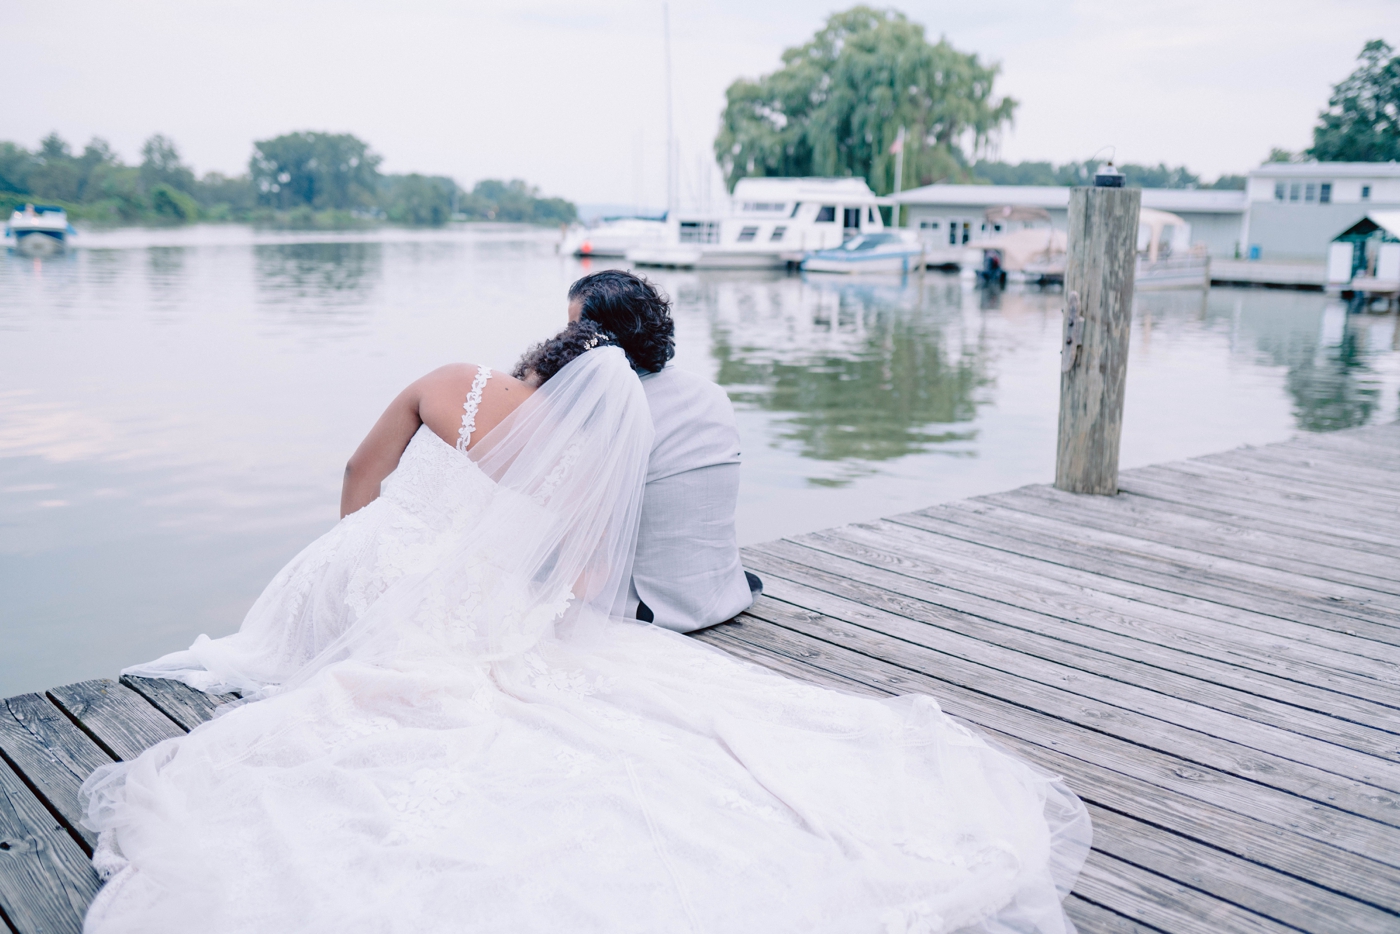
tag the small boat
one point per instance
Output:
(891, 251)
(39, 229)
(612, 237)
(1030, 254)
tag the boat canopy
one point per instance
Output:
(1025, 213)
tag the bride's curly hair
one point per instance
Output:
(616, 308)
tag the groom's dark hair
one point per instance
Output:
(631, 311)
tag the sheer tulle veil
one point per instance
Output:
(554, 546)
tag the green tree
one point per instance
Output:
(495, 200)
(161, 165)
(58, 176)
(836, 106)
(1362, 119)
(1082, 173)
(170, 203)
(418, 199)
(16, 164)
(317, 170)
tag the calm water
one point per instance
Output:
(176, 406)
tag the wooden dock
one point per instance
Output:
(1211, 659)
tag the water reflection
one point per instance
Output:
(859, 371)
(1330, 356)
(312, 277)
(1333, 383)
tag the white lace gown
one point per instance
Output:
(615, 778)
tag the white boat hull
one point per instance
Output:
(37, 243)
(896, 263)
(1192, 272)
(698, 257)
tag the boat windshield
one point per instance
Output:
(868, 242)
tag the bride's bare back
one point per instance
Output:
(435, 400)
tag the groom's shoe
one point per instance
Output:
(755, 585)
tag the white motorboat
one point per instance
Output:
(772, 223)
(889, 251)
(39, 229)
(613, 236)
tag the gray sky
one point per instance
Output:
(571, 95)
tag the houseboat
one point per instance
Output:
(771, 223)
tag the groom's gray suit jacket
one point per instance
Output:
(687, 569)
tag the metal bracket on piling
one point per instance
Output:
(1074, 333)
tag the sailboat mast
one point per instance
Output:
(670, 126)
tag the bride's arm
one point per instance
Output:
(379, 453)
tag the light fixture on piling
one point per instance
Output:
(1108, 177)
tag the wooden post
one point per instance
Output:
(1099, 271)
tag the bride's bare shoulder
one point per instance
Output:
(443, 393)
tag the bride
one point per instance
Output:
(448, 725)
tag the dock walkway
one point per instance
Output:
(1211, 659)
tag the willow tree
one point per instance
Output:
(836, 106)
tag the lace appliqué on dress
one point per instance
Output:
(464, 437)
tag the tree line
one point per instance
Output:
(838, 103)
(304, 179)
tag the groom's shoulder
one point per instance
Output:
(674, 392)
(695, 425)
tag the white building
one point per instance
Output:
(1295, 209)
(1288, 211)
(951, 215)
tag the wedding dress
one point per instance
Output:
(448, 727)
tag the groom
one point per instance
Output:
(687, 573)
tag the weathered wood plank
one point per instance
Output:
(1333, 447)
(1315, 503)
(1330, 651)
(1374, 511)
(1223, 499)
(1161, 566)
(1096, 600)
(1099, 315)
(1250, 516)
(1092, 918)
(46, 881)
(1386, 433)
(1165, 903)
(178, 701)
(1049, 743)
(1128, 516)
(1267, 787)
(885, 611)
(121, 721)
(1256, 888)
(1193, 764)
(53, 755)
(1328, 470)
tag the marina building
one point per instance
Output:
(1296, 209)
(1288, 212)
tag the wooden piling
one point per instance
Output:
(1099, 273)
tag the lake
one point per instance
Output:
(176, 406)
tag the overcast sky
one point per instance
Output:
(571, 96)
